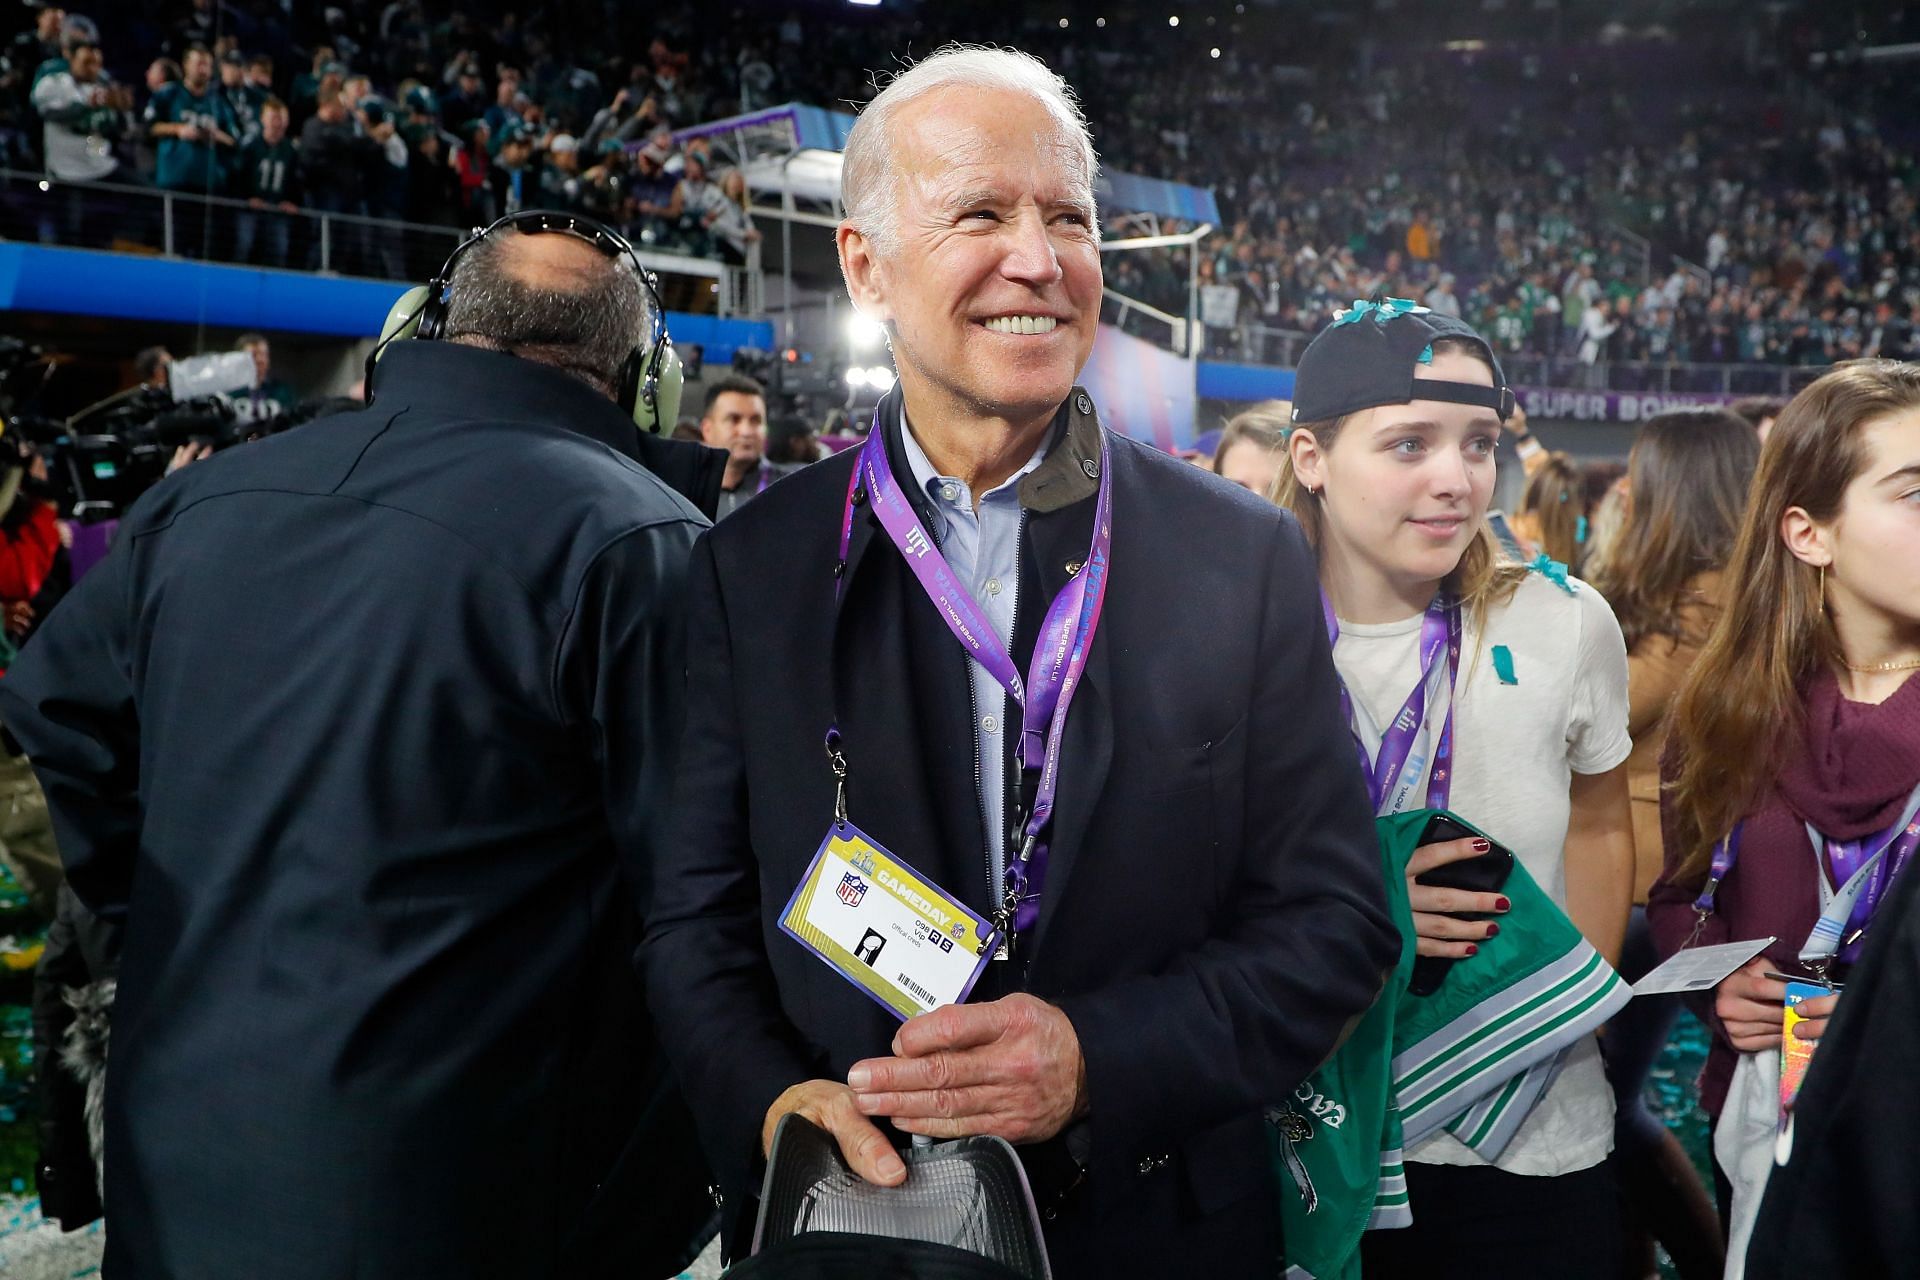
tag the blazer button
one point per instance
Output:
(1072, 567)
(1092, 469)
(1083, 404)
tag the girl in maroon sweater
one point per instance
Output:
(1800, 724)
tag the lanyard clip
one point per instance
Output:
(837, 761)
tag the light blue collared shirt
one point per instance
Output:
(983, 549)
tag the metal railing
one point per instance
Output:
(1254, 344)
(125, 218)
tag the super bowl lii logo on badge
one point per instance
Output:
(852, 889)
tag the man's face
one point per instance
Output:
(273, 125)
(737, 422)
(231, 74)
(47, 25)
(262, 359)
(260, 75)
(993, 287)
(197, 70)
(156, 74)
(85, 64)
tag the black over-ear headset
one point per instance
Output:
(651, 378)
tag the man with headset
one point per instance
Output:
(363, 733)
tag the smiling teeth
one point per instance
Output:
(1022, 324)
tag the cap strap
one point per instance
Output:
(1498, 399)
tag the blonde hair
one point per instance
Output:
(1484, 576)
(1263, 426)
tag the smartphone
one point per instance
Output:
(1485, 874)
(1497, 521)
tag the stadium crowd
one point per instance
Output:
(1561, 233)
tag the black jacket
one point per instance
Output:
(1214, 916)
(1844, 1204)
(363, 732)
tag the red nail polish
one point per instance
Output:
(1472, 950)
(1482, 846)
(1493, 931)
(1503, 904)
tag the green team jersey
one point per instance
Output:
(192, 166)
(1531, 296)
(266, 171)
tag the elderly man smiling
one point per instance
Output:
(1048, 825)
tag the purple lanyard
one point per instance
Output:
(1439, 632)
(1863, 878)
(1059, 653)
(766, 478)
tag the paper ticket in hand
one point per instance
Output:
(1698, 968)
(885, 928)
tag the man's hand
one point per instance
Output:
(189, 453)
(830, 1105)
(19, 616)
(1011, 1068)
(1749, 1006)
(189, 133)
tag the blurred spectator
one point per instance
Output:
(269, 396)
(304, 95)
(1250, 446)
(196, 129)
(150, 366)
(514, 182)
(729, 223)
(791, 442)
(334, 157)
(243, 99)
(84, 113)
(1759, 412)
(268, 178)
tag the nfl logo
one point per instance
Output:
(852, 889)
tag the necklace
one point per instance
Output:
(1910, 665)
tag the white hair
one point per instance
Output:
(869, 181)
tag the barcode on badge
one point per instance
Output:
(919, 992)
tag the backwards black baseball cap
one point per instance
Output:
(1367, 357)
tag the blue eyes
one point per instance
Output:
(1414, 446)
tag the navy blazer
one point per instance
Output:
(363, 731)
(1213, 919)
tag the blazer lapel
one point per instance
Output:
(1058, 539)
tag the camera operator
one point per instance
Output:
(362, 734)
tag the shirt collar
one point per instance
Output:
(931, 482)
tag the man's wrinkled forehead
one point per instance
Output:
(977, 153)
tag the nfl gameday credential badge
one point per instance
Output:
(885, 928)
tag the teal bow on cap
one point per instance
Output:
(1552, 570)
(1382, 311)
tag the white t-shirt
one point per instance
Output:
(1515, 749)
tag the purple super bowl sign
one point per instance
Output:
(1559, 403)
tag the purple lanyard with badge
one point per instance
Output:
(1059, 654)
(1863, 877)
(1394, 769)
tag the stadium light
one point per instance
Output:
(1099, 22)
(1174, 21)
(1063, 24)
(880, 376)
(862, 331)
(1213, 53)
(856, 376)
